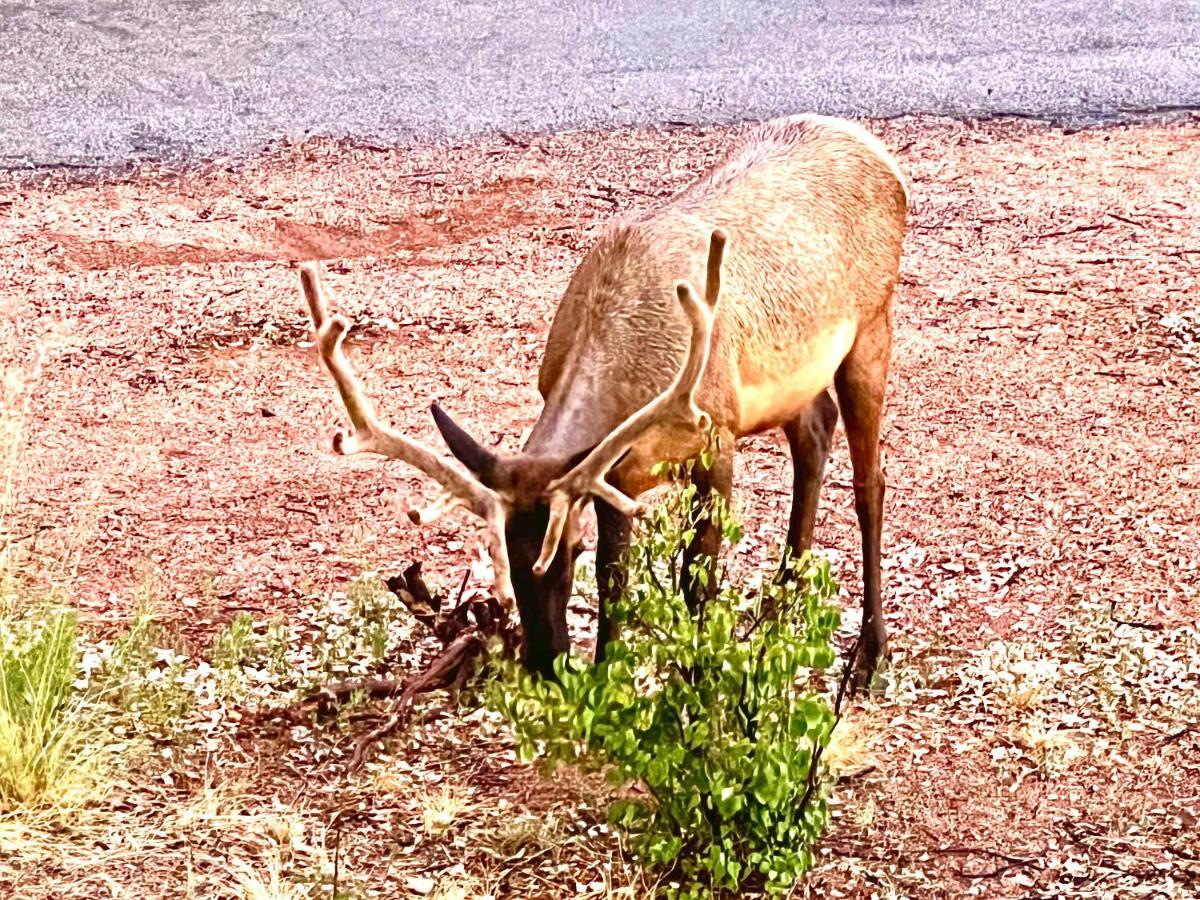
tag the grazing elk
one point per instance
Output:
(813, 209)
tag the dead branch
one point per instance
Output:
(1076, 230)
(465, 630)
(447, 668)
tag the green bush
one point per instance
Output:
(715, 715)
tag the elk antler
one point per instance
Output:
(369, 435)
(676, 403)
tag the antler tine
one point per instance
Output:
(369, 435)
(716, 254)
(677, 402)
(434, 510)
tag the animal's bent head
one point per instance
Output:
(523, 482)
(530, 503)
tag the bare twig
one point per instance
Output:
(819, 749)
(442, 672)
(464, 630)
(16, 539)
(1076, 230)
(1147, 626)
(1126, 220)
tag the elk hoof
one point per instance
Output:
(869, 677)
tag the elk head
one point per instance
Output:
(530, 505)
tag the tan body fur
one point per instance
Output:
(815, 211)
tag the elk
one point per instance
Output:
(795, 237)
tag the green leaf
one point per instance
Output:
(728, 801)
(706, 712)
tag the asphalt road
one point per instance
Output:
(102, 82)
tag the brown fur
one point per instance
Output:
(814, 209)
(815, 219)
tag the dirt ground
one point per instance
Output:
(1040, 449)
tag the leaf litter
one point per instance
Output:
(1037, 735)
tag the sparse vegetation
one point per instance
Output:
(76, 710)
(1116, 694)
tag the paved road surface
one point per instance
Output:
(100, 82)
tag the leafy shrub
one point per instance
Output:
(713, 714)
(143, 676)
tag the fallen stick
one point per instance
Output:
(447, 668)
(464, 630)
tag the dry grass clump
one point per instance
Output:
(851, 746)
(48, 735)
(444, 809)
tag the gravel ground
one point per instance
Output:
(109, 81)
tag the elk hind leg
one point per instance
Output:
(860, 382)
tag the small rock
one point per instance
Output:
(421, 885)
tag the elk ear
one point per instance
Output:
(468, 451)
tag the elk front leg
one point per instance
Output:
(860, 383)
(809, 437)
(707, 543)
(612, 541)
